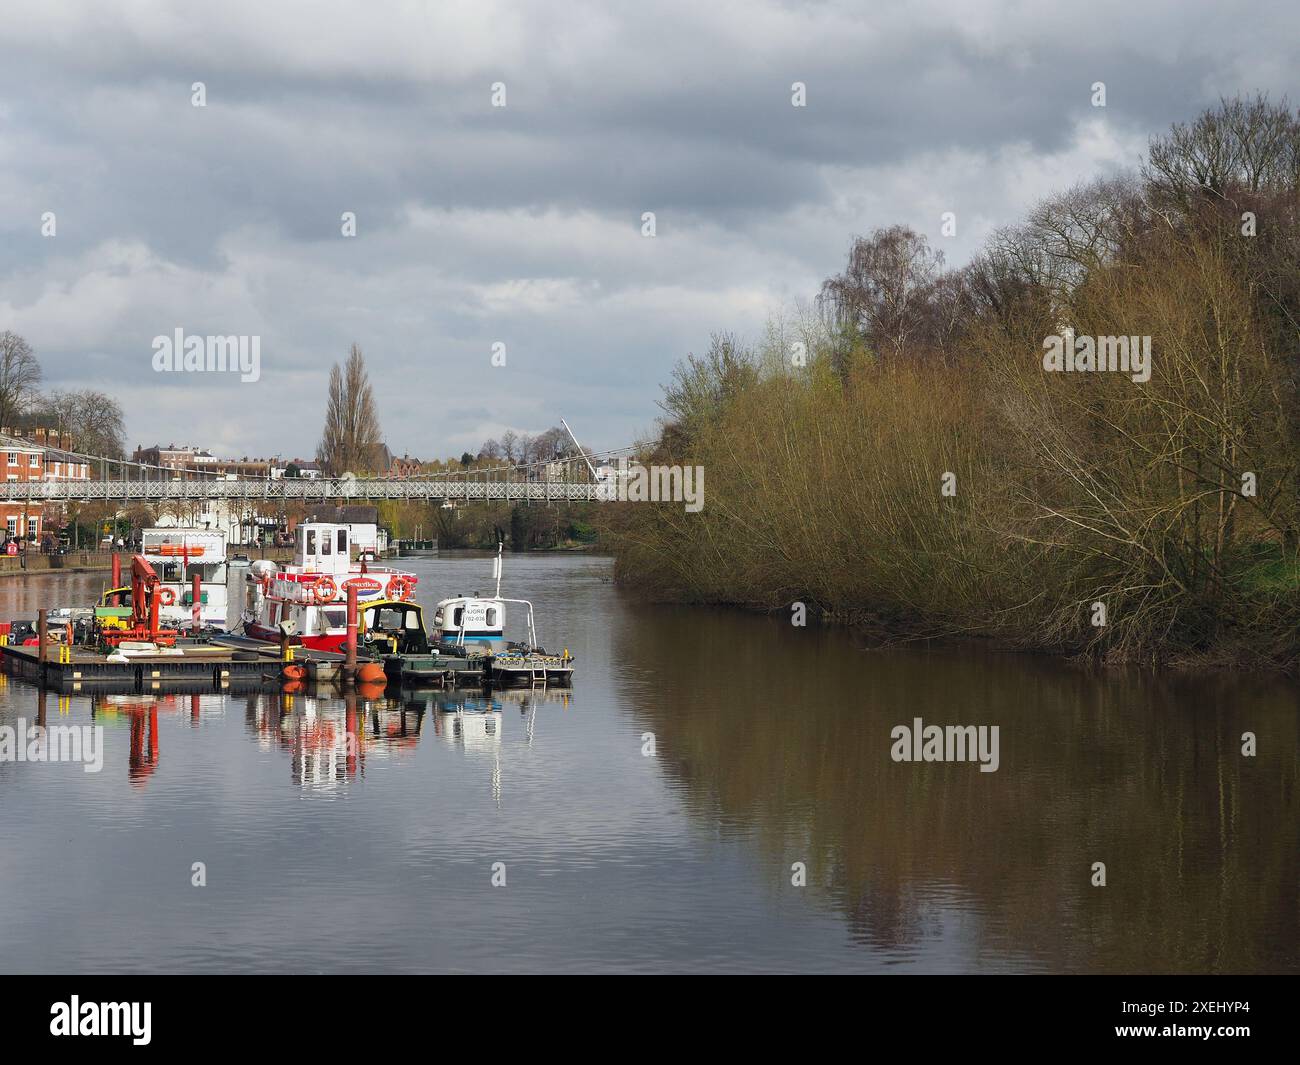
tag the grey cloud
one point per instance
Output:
(522, 224)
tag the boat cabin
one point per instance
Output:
(322, 547)
(395, 626)
(468, 623)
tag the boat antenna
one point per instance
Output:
(496, 568)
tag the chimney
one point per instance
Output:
(40, 434)
(65, 441)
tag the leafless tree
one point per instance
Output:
(94, 420)
(510, 445)
(20, 373)
(880, 299)
(351, 442)
(1243, 145)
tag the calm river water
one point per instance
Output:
(652, 818)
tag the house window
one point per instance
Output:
(11, 527)
(56, 469)
(35, 461)
(32, 524)
(13, 458)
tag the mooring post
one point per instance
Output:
(350, 669)
(42, 630)
(196, 613)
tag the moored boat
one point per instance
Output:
(306, 600)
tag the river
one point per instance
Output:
(715, 793)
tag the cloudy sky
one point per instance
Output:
(523, 224)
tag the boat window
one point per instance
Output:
(413, 620)
(456, 615)
(334, 619)
(302, 540)
(491, 617)
(326, 545)
(311, 541)
(343, 541)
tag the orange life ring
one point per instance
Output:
(166, 596)
(399, 588)
(325, 590)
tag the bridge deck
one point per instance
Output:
(320, 490)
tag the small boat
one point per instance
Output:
(306, 600)
(393, 631)
(474, 625)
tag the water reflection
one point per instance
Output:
(1142, 772)
(771, 747)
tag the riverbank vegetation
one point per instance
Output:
(898, 452)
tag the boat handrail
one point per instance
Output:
(532, 632)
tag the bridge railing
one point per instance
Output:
(569, 478)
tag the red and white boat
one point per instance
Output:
(307, 599)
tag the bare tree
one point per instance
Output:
(351, 442)
(1239, 146)
(20, 373)
(94, 420)
(510, 445)
(881, 298)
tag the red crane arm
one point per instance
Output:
(144, 594)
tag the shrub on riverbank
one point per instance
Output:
(914, 462)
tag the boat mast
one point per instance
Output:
(496, 568)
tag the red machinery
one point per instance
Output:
(146, 593)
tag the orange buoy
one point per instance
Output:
(371, 673)
(294, 672)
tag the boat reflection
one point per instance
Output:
(330, 735)
(139, 713)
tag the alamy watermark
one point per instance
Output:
(133, 1019)
(635, 483)
(1067, 353)
(58, 743)
(180, 353)
(919, 742)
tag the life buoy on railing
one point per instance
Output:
(399, 588)
(325, 590)
(166, 596)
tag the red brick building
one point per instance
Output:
(44, 456)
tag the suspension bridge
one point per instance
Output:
(570, 479)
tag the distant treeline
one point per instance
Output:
(900, 453)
